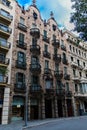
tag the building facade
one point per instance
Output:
(39, 64)
(6, 43)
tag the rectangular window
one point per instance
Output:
(56, 67)
(74, 72)
(76, 88)
(67, 86)
(46, 48)
(34, 60)
(71, 58)
(22, 20)
(54, 37)
(34, 79)
(46, 64)
(65, 70)
(48, 84)
(34, 41)
(21, 37)
(62, 42)
(45, 33)
(20, 80)
(21, 58)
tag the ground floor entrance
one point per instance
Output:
(48, 108)
(18, 108)
(69, 107)
(60, 108)
(1, 102)
(34, 109)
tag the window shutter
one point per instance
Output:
(16, 77)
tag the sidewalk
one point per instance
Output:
(19, 125)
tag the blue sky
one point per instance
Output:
(60, 8)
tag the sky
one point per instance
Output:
(60, 8)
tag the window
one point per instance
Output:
(34, 15)
(46, 48)
(34, 60)
(5, 13)
(78, 62)
(56, 67)
(3, 42)
(54, 27)
(65, 70)
(20, 80)
(48, 84)
(64, 56)
(73, 49)
(21, 37)
(46, 64)
(45, 33)
(84, 64)
(22, 20)
(80, 74)
(54, 37)
(34, 41)
(70, 47)
(74, 72)
(67, 86)
(55, 50)
(35, 79)
(76, 88)
(71, 58)
(79, 52)
(21, 58)
(1, 77)
(6, 2)
(62, 42)
(76, 51)
(59, 85)
(2, 57)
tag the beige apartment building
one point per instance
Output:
(6, 43)
(39, 60)
(77, 55)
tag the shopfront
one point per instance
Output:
(1, 102)
(18, 108)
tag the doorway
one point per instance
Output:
(60, 108)
(69, 108)
(48, 108)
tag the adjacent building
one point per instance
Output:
(37, 58)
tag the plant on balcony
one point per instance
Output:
(3, 70)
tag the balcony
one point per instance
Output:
(20, 87)
(6, 3)
(76, 78)
(56, 43)
(5, 17)
(60, 92)
(21, 45)
(35, 49)
(4, 45)
(5, 31)
(21, 65)
(80, 67)
(47, 71)
(3, 80)
(63, 47)
(80, 94)
(35, 88)
(57, 58)
(66, 76)
(65, 61)
(4, 61)
(46, 39)
(35, 68)
(46, 54)
(49, 91)
(35, 32)
(68, 93)
(74, 64)
(58, 74)
(22, 27)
